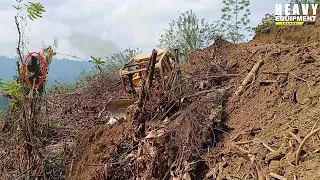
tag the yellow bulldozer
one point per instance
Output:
(131, 77)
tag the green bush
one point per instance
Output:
(84, 77)
(61, 88)
(13, 90)
(117, 60)
(2, 113)
(189, 33)
(114, 62)
(267, 22)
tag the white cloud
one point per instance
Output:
(134, 23)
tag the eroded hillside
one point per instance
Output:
(207, 131)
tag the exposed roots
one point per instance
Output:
(303, 143)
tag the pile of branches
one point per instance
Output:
(82, 106)
(173, 125)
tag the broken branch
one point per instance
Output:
(277, 176)
(265, 145)
(249, 77)
(295, 137)
(242, 153)
(304, 81)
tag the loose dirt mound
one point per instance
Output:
(278, 109)
(92, 148)
(83, 106)
(189, 137)
(291, 35)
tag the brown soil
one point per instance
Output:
(269, 111)
(95, 144)
(80, 108)
(274, 109)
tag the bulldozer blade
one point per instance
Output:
(117, 109)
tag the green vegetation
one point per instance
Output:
(1, 82)
(117, 60)
(267, 22)
(2, 113)
(114, 62)
(81, 79)
(34, 10)
(13, 90)
(235, 19)
(189, 33)
(98, 64)
(304, 1)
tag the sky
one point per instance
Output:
(103, 27)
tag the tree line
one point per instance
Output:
(189, 32)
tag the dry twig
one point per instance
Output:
(277, 176)
(295, 137)
(303, 142)
(304, 81)
(265, 145)
(246, 81)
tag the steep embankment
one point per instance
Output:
(277, 109)
(270, 118)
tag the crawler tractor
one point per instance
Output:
(131, 77)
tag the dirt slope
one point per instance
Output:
(270, 110)
(279, 107)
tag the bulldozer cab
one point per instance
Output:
(131, 76)
(132, 73)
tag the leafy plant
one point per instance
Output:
(188, 33)
(114, 62)
(98, 64)
(34, 10)
(28, 114)
(235, 19)
(117, 60)
(267, 22)
(13, 90)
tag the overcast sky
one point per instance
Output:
(101, 27)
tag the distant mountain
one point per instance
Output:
(61, 70)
